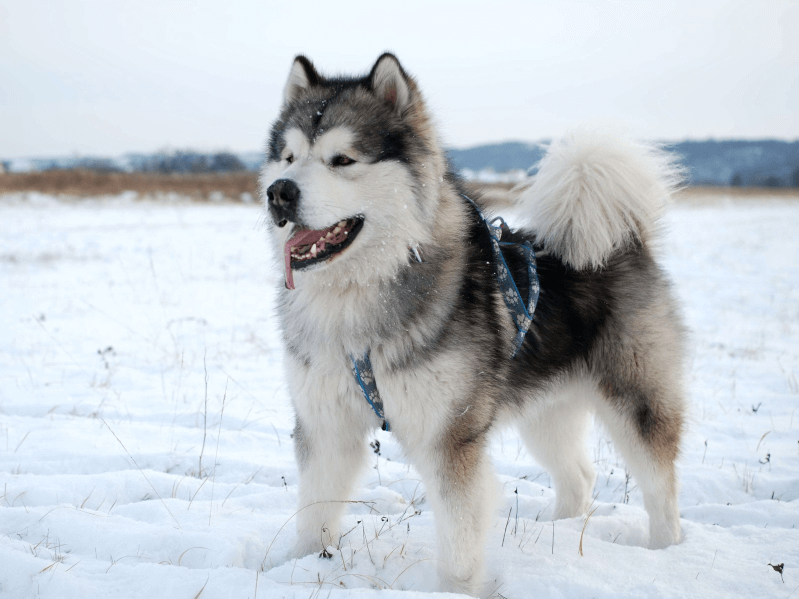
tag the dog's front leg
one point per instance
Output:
(462, 491)
(330, 447)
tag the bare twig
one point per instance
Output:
(247, 480)
(506, 527)
(216, 455)
(426, 559)
(142, 472)
(276, 435)
(21, 442)
(268, 549)
(205, 417)
(205, 480)
(580, 548)
(187, 550)
(202, 589)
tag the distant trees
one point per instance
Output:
(98, 165)
(227, 162)
(180, 162)
(191, 162)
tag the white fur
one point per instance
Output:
(595, 193)
(331, 409)
(658, 481)
(463, 512)
(328, 402)
(554, 430)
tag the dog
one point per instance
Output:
(393, 314)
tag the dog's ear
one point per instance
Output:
(390, 83)
(302, 77)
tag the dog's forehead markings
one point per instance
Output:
(333, 141)
(324, 145)
(296, 141)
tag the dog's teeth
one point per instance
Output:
(336, 230)
(313, 249)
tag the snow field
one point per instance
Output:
(136, 337)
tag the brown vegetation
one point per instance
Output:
(89, 183)
(231, 186)
(690, 194)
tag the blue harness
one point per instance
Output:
(520, 312)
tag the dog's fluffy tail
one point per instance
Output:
(595, 193)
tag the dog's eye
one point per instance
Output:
(290, 158)
(341, 160)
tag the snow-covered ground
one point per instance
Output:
(145, 429)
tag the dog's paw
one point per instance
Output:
(665, 537)
(449, 583)
(570, 509)
(305, 547)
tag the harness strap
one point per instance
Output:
(521, 313)
(365, 376)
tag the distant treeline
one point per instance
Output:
(188, 162)
(763, 163)
(766, 163)
(177, 162)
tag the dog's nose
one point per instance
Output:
(283, 192)
(283, 196)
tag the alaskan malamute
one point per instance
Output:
(394, 313)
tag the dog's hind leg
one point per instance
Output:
(649, 447)
(554, 431)
(642, 407)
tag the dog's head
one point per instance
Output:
(351, 174)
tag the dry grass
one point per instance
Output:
(89, 183)
(231, 186)
(502, 196)
(712, 195)
(741, 192)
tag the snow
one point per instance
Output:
(115, 312)
(489, 175)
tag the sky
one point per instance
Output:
(110, 77)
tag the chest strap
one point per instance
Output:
(365, 376)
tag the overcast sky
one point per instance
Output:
(109, 77)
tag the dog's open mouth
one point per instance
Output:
(307, 247)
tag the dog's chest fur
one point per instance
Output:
(411, 324)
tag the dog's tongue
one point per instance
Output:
(302, 237)
(333, 235)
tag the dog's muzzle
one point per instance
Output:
(283, 197)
